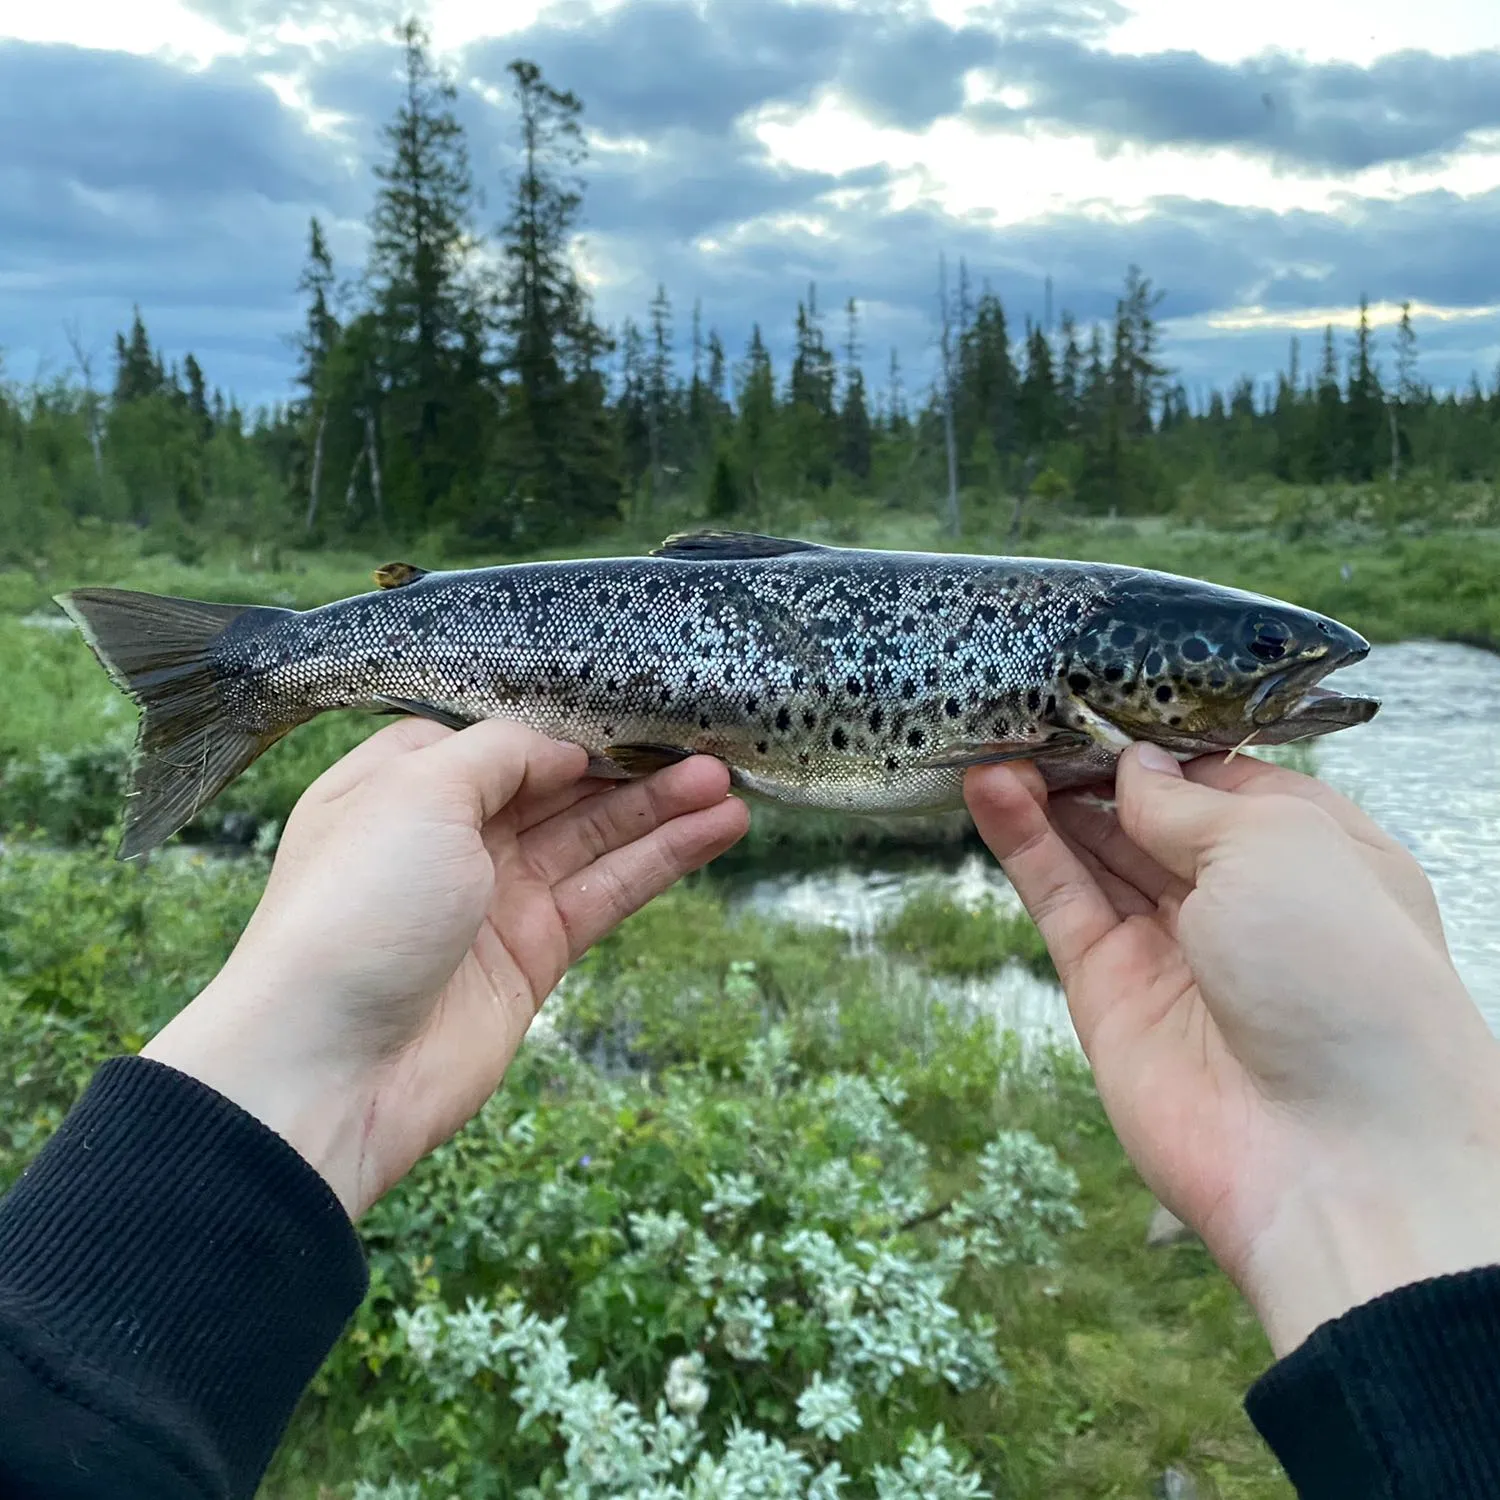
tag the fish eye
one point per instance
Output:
(1269, 640)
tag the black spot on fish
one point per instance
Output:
(853, 687)
(1072, 612)
(752, 703)
(986, 613)
(1193, 680)
(1155, 664)
(908, 688)
(809, 718)
(1164, 693)
(891, 763)
(839, 738)
(1195, 648)
(1123, 637)
(916, 739)
(877, 718)
(1080, 682)
(797, 680)
(1218, 680)
(1175, 720)
(803, 758)
(1034, 700)
(703, 722)
(783, 720)
(930, 676)
(612, 686)
(951, 708)
(761, 747)
(1114, 672)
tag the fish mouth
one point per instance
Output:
(1297, 704)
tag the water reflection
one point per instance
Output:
(1427, 769)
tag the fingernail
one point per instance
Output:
(1153, 758)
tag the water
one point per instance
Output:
(1427, 768)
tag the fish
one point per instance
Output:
(836, 678)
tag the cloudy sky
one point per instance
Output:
(1263, 163)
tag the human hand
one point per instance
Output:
(1259, 979)
(429, 892)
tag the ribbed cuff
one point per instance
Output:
(167, 1253)
(1396, 1398)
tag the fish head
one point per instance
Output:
(1198, 668)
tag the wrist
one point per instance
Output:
(320, 1109)
(1357, 1229)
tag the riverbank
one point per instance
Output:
(65, 736)
(695, 1055)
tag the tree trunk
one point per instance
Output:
(373, 449)
(315, 484)
(1395, 444)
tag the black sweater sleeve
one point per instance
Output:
(1399, 1399)
(172, 1274)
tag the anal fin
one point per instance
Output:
(421, 710)
(644, 760)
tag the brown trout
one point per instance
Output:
(824, 677)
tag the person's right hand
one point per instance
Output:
(1259, 979)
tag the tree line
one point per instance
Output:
(460, 383)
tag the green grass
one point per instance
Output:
(945, 937)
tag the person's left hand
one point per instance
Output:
(429, 892)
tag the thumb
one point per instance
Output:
(1177, 822)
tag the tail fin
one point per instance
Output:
(161, 652)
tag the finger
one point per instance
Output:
(579, 835)
(1247, 775)
(537, 810)
(1097, 829)
(1064, 899)
(385, 745)
(1126, 899)
(1177, 822)
(596, 899)
(494, 762)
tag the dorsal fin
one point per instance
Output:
(397, 575)
(729, 544)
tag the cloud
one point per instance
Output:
(658, 65)
(1310, 117)
(124, 179)
(127, 179)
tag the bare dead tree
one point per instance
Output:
(91, 407)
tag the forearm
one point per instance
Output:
(171, 1276)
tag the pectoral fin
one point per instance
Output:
(424, 711)
(994, 752)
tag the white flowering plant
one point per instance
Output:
(691, 1286)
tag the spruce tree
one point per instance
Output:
(552, 443)
(421, 244)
